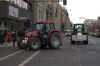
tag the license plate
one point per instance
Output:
(79, 37)
(24, 41)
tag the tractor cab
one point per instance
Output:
(44, 27)
(79, 34)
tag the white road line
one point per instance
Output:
(28, 59)
(10, 55)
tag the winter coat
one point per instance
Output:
(8, 36)
(14, 36)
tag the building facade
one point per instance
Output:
(98, 26)
(49, 9)
(66, 24)
(11, 13)
(36, 9)
(43, 9)
(91, 26)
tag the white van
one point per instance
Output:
(78, 34)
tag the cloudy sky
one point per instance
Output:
(82, 8)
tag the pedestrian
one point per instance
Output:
(1, 36)
(21, 33)
(5, 35)
(14, 37)
(8, 36)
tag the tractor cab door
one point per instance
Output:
(49, 27)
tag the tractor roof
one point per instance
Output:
(48, 21)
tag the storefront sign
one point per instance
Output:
(13, 11)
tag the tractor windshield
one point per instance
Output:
(78, 29)
(38, 26)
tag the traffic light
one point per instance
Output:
(64, 2)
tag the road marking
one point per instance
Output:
(28, 59)
(10, 55)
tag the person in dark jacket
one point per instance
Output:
(5, 35)
(1, 36)
(21, 33)
(14, 37)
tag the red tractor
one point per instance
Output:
(43, 34)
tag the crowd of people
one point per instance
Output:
(7, 36)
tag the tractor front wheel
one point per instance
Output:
(20, 43)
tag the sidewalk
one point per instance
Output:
(9, 44)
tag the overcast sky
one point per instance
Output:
(83, 8)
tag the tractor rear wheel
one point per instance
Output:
(55, 41)
(34, 44)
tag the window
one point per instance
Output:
(30, 7)
(38, 27)
(15, 1)
(6, 0)
(12, 1)
(25, 5)
(56, 12)
(47, 27)
(52, 26)
(18, 1)
(78, 29)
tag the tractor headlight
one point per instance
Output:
(26, 38)
(45, 36)
(79, 33)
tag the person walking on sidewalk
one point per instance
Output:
(8, 36)
(5, 36)
(14, 37)
(1, 36)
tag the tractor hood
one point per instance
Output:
(32, 33)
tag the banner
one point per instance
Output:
(13, 11)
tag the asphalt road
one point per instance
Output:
(67, 55)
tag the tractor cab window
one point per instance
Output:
(78, 29)
(38, 27)
(52, 27)
(48, 28)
